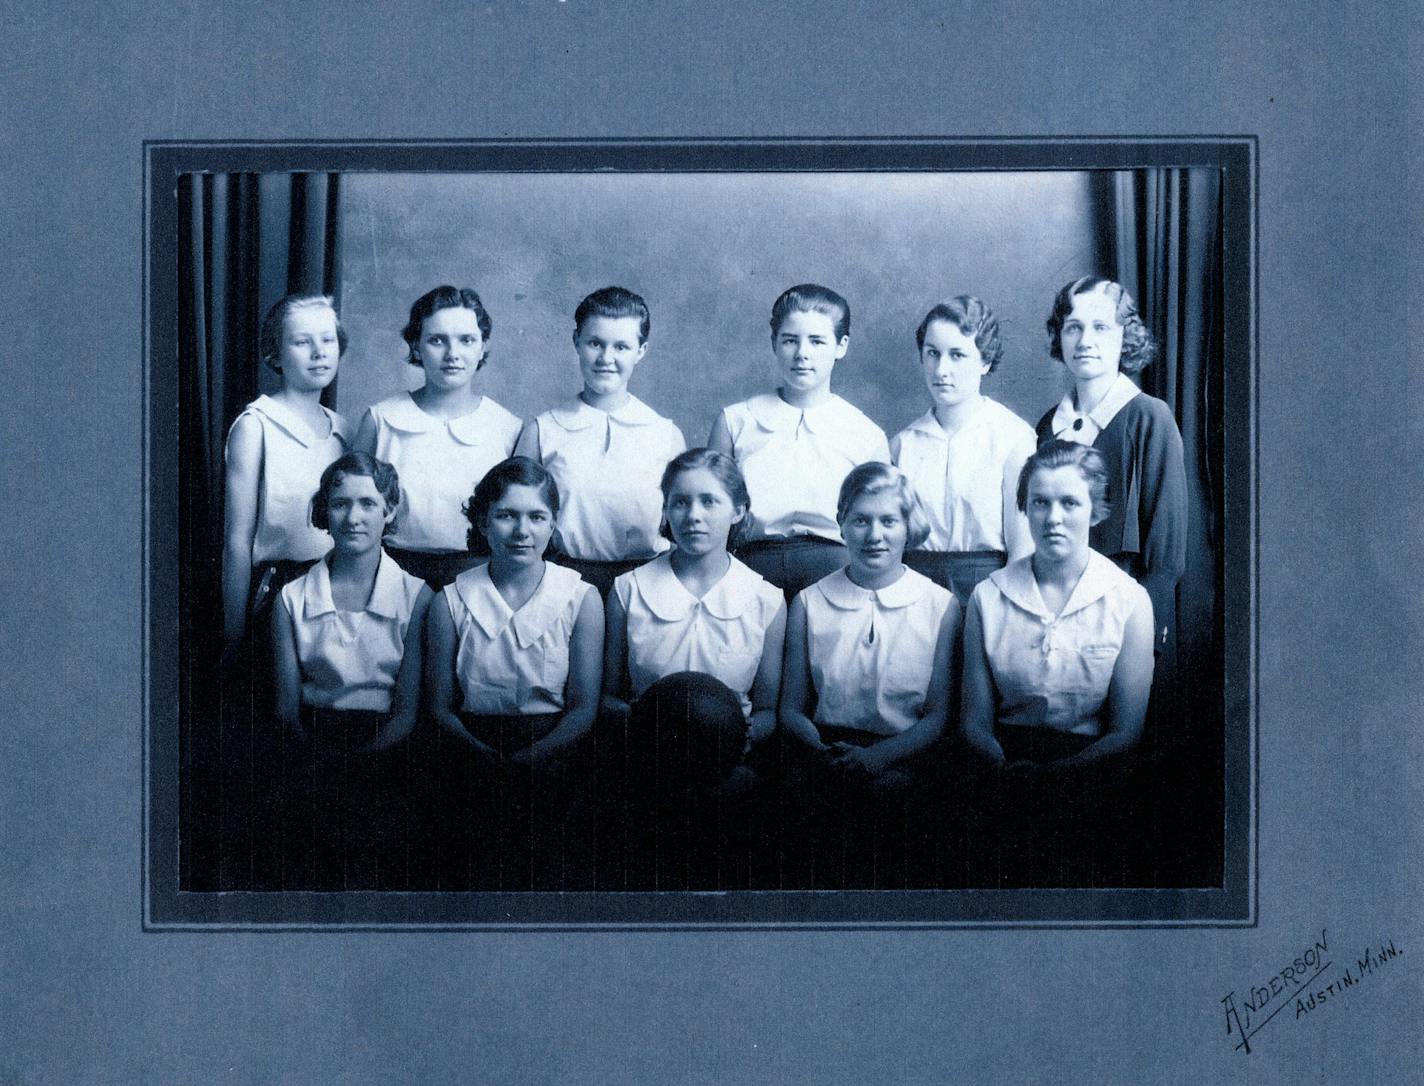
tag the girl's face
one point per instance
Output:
(1091, 338)
(310, 349)
(357, 514)
(1060, 512)
(807, 349)
(875, 531)
(519, 526)
(952, 364)
(451, 347)
(608, 351)
(700, 512)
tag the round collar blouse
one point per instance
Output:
(439, 462)
(608, 465)
(671, 630)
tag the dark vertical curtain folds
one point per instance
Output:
(245, 240)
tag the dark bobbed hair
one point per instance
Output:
(444, 297)
(269, 338)
(727, 473)
(811, 298)
(1138, 346)
(355, 463)
(516, 471)
(973, 318)
(877, 478)
(614, 302)
(1061, 454)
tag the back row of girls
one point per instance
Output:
(605, 448)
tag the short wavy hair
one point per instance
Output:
(811, 298)
(614, 303)
(878, 478)
(1061, 454)
(445, 297)
(516, 471)
(974, 319)
(1138, 346)
(269, 337)
(384, 475)
(727, 473)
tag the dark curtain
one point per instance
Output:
(245, 240)
(1167, 245)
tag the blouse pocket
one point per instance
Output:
(554, 670)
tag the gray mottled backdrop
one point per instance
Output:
(1333, 95)
(710, 253)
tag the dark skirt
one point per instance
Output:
(793, 563)
(346, 812)
(597, 573)
(435, 568)
(958, 571)
(501, 825)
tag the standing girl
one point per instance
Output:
(694, 642)
(963, 455)
(795, 445)
(605, 447)
(516, 647)
(276, 452)
(442, 437)
(1095, 331)
(347, 642)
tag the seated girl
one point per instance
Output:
(347, 639)
(868, 648)
(516, 646)
(1057, 659)
(694, 642)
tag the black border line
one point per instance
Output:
(1236, 904)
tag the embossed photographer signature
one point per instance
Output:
(1294, 985)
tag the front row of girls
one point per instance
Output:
(605, 449)
(697, 653)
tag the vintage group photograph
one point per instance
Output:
(684, 533)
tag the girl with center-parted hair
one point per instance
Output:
(1057, 660)
(347, 644)
(963, 455)
(694, 643)
(512, 678)
(442, 437)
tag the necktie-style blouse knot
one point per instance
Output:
(543, 609)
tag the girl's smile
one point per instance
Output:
(519, 526)
(700, 512)
(1091, 338)
(357, 514)
(608, 351)
(875, 531)
(807, 349)
(451, 347)
(310, 349)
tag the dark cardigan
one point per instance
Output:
(1146, 529)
